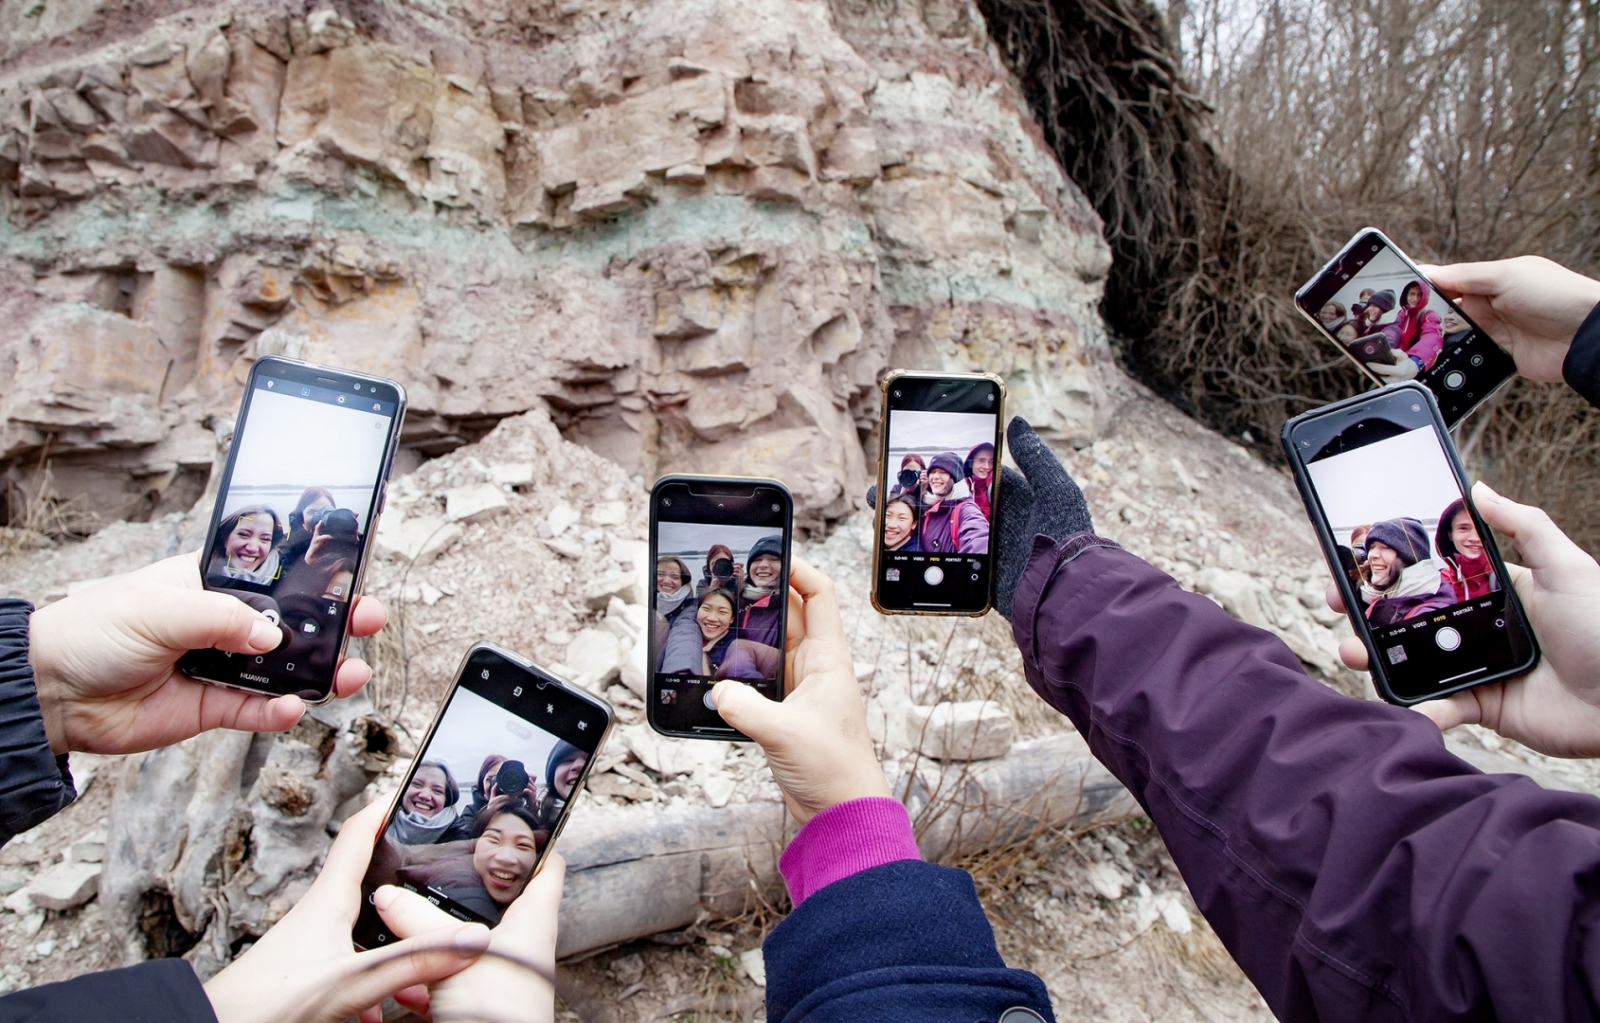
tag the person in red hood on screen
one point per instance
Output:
(1466, 568)
(980, 476)
(1415, 331)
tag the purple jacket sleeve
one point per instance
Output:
(972, 536)
(1354, 868)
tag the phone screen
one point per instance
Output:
(1429, 583)
(939, 468)
(293, 518)
(487, 794)
(720, 597)
(1384, 314)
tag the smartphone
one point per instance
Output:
(720, 597)
(489, 791)
(1371, 287)
(294, 519)
(938, 492)
(1426, 588)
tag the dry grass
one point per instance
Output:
(37, 511)
(1227, 174)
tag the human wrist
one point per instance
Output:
(845, 839)
(48, 686)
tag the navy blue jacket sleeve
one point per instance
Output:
(1581, 369)
(1354, 868)
(907, 940)
(34, 783)
(161, 991)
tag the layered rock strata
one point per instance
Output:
(697, 232)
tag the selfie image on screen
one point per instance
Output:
(1394, 322)
(720, 596)
(480, 808)
(1413, 554)
(296, 511)
(938, 482)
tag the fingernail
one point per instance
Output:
(472, 940)
(264, 635)
(384, 897)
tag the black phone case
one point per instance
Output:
(192, 668)
(650, 638)
(1330, 549)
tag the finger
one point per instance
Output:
(530, 922)
(872, 497)
(1453, 710)
(751, 713)
(367, 616)
(352, 851)
(1037, 462)
(371, 1014)
(245, 712)
(414, 999)
(822, 617)
(184, 619)
(408, 914)
(426, 959)
(1336, 599)
(351, 676)
(1353, 653)
(1467, 278)
(1539, 541)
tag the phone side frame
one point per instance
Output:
(883, 457)
(650, 703)
(525, 664)
(1352, 603)
(392, 445)
(1412, 266)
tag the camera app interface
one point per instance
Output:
(294, 516)
(720, 598)
(1397, 325)
(939, 489)
(1411, 550)
(486, 796)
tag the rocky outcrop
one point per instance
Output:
(696, 232)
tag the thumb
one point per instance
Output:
(1540, 542)
(872, 497)
(1484, 279)
(750, 712)
(183, 619)
(424, 959)
(1453, 710)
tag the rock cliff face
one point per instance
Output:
(695, 231)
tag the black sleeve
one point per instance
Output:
(34, 783)
(905, 940)
(160, 991)
(1581, 369)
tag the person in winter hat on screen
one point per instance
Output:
(950, 526)
(1403, 579)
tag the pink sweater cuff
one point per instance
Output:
(844, 840)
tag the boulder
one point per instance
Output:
(595, 657)
(621, 585)
(418, 539)
(970, 730)
(65, 885)
(514, 474)
(475, 502)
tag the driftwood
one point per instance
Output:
(212, 840)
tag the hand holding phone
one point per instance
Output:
(816, 738)
(1414, 563)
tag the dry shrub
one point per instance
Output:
(1462, 128)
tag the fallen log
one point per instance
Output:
(646, 871)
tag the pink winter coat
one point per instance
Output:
(1416, 330)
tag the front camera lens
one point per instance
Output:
(666, 502)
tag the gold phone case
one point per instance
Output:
(883, 455)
